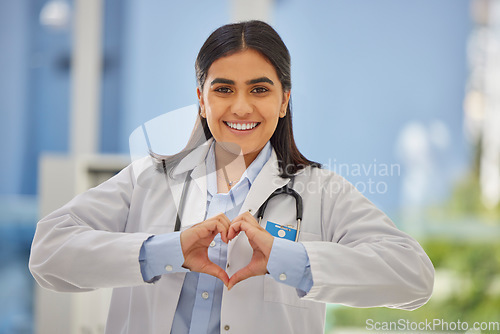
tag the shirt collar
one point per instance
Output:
(250, 173)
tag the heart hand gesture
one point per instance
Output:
(196, 240)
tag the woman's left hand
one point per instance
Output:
(261, 242)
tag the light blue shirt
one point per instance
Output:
(199, 305)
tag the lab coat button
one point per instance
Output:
(169, 267)
(212, 244)
(204, 295)
(226, 327)
(282, 277)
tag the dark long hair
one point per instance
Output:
(261, 37)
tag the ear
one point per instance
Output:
(284, 104)
(202, 102)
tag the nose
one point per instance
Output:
(242, 105)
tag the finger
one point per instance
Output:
(248, 226)
(239, 276)
(257, 236)
(202, 232)
(234, 230)
(245, 216)
(205, 229)
(216, 271)
(222, 218)
(243, 225)
(214, 227)
(222, 229)
(250, 218)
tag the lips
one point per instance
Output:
(242, 126)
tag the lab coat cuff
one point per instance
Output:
(287, 262)
(161, 254)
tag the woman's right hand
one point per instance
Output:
(195, 242)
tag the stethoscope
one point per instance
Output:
(285, 190)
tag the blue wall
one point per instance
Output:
(14, 33)
(34, 93)
(361, 70)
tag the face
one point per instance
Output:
(242, 100)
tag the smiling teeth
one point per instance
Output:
(239, 126)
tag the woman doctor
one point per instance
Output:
(223, 272)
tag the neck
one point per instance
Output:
(230, 154)
(230, 164)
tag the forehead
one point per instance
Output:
(244, 65)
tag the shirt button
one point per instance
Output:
(204, 295)
(169, 267)
(227, 265)
(226, 327)
(212, 244)
(282, 277)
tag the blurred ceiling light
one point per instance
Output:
(55, 15)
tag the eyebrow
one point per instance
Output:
(258, 80)
(222, 81)
(249, 82)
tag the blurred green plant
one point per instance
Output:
(467, 271)
(465, 199)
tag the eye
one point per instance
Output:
(260, 90)
(222, 89)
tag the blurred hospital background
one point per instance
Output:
(400, 97)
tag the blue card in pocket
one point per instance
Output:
(281, 231)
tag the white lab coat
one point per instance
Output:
(357, 256)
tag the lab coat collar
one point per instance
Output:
(267, 181)
(194, 159)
